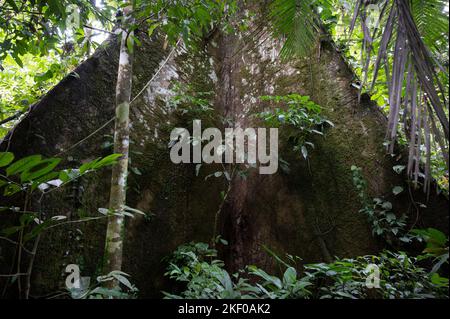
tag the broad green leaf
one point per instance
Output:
(123, 280)
(152, 28)
(23, 164)
(130, 45)
(87, 166)
(13, 4)
(104, 211)
(290, 276)
(438, 280)
(304, 152)
(11, 230)
(136, 40)
(6, 158)
(387, 205)
(397, 190)
(39, 169)
(68, 175)
(16, 58)
(390, 217)
(269, 279)
(108, 160)
(11, 189)
(436, 237)
(134, 210)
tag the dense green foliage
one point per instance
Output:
(301, 118)
(42, 36)
(399, 55)
(382, 219)
(34, 174)
(34, 178)
(196, 266)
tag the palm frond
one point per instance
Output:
(412, 31)
(431, 20)
(295, 20)
(414, 87)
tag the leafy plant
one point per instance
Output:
(41, 26)
(289, 286)
(436, 246)
(204, 276)
(35, 177)
(196, 265)
(34, 172)
(405, 40)
(397, 55)
(383, 220)
(125, 290)
(298, 23)
(400, 277)
(190, 104)
(301, 116)
(191, 20)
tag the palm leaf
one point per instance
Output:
(431, 20)
(414, 86)
(296, 21)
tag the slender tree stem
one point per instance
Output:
(30, 267)
(115, 228)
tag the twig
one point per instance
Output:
(20, 245)
(11, 118)
(97, 29)
(86, 138)
(157, 72)
(219, 210)
(13, 275)
(14, 243)
(76, 221)
(30, 266)
(415, 206)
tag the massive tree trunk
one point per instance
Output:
(311, 212)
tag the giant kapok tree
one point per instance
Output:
(357, 89)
